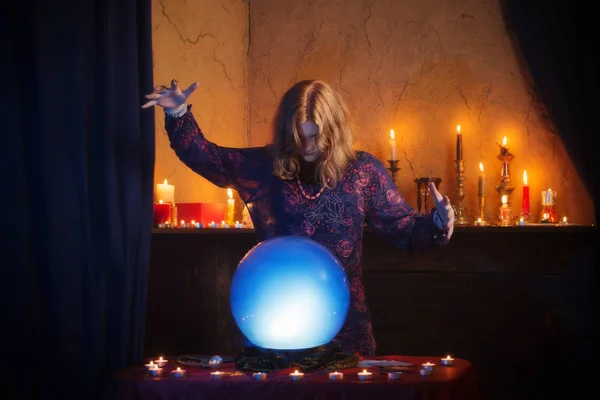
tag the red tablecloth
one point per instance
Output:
(456, 382)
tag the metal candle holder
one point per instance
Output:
(460, 219)
(505, 187)
(393, 168)
(481, 220)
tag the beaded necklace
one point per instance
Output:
(316, 196)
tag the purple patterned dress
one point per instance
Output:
(335, 219)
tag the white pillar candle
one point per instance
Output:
(165, 192)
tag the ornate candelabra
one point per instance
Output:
(423, 192)
(460, 218)
(504, 187)
(393, 168)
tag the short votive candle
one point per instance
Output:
(365, 375)
(425, 371)
(178, 373)
(217, 375)
(394, 375)
(296, 376)
(259, 376)
(161, 362)
(336, 376)
(155, 371)
(447, 361)
(428, 365)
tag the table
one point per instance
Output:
(446, 383)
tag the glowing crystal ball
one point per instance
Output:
(289, 293)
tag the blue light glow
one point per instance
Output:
(289, 293)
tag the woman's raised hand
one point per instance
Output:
(170, 98)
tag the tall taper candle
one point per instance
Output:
(480, 181)
(525, 205)
(392, 145)
(459, 145)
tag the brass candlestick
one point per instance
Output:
(481, 220)
(504, 187)
(393, 168)
(460, 219)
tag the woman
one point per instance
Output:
(311, 182)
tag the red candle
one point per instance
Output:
(525, 205)
(162, 213)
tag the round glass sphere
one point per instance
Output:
(215, 362)
(289, 293)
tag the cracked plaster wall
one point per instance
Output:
(418, 67)
(204, 41)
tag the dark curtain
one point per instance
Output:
(77, 162)
(558, 46)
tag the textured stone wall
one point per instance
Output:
(418, 67)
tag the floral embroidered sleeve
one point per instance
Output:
(388, 214)
(240, 169)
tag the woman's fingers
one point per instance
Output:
(149, 104)
(187, 92)
(152, 96)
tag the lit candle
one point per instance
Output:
(564, 221)
(230, 207)
(215, 376)
(394, 375)
(365, 375)
(224, 224)
(259, 376)
(155, 371)
(521, 222)
(504, 210)
(479, 222)
(459, 145)
(425, 372)
(447, 361)
(428, 365)
(182, 225)
(336, 376)
(480, 181)
(161, 361)
(525, 205)
(150, 365)
(503, 149)
(392, 144)
(296, 376)
(178, 373)
(165, 192)
(238, 224)
(212, 224)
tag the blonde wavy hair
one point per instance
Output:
(316, 101)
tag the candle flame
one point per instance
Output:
(504, 199)
(230, 193)
(478, 219)
(521, 219)
(182, 222)
(504, 141)
(193, 221)
(160, 202)
(178, 369)
(364, 371)
(296, 371)
(481, 167)
(392, 134)
(525, 177)
(564, 219)
(457, 128)
(165, 182)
